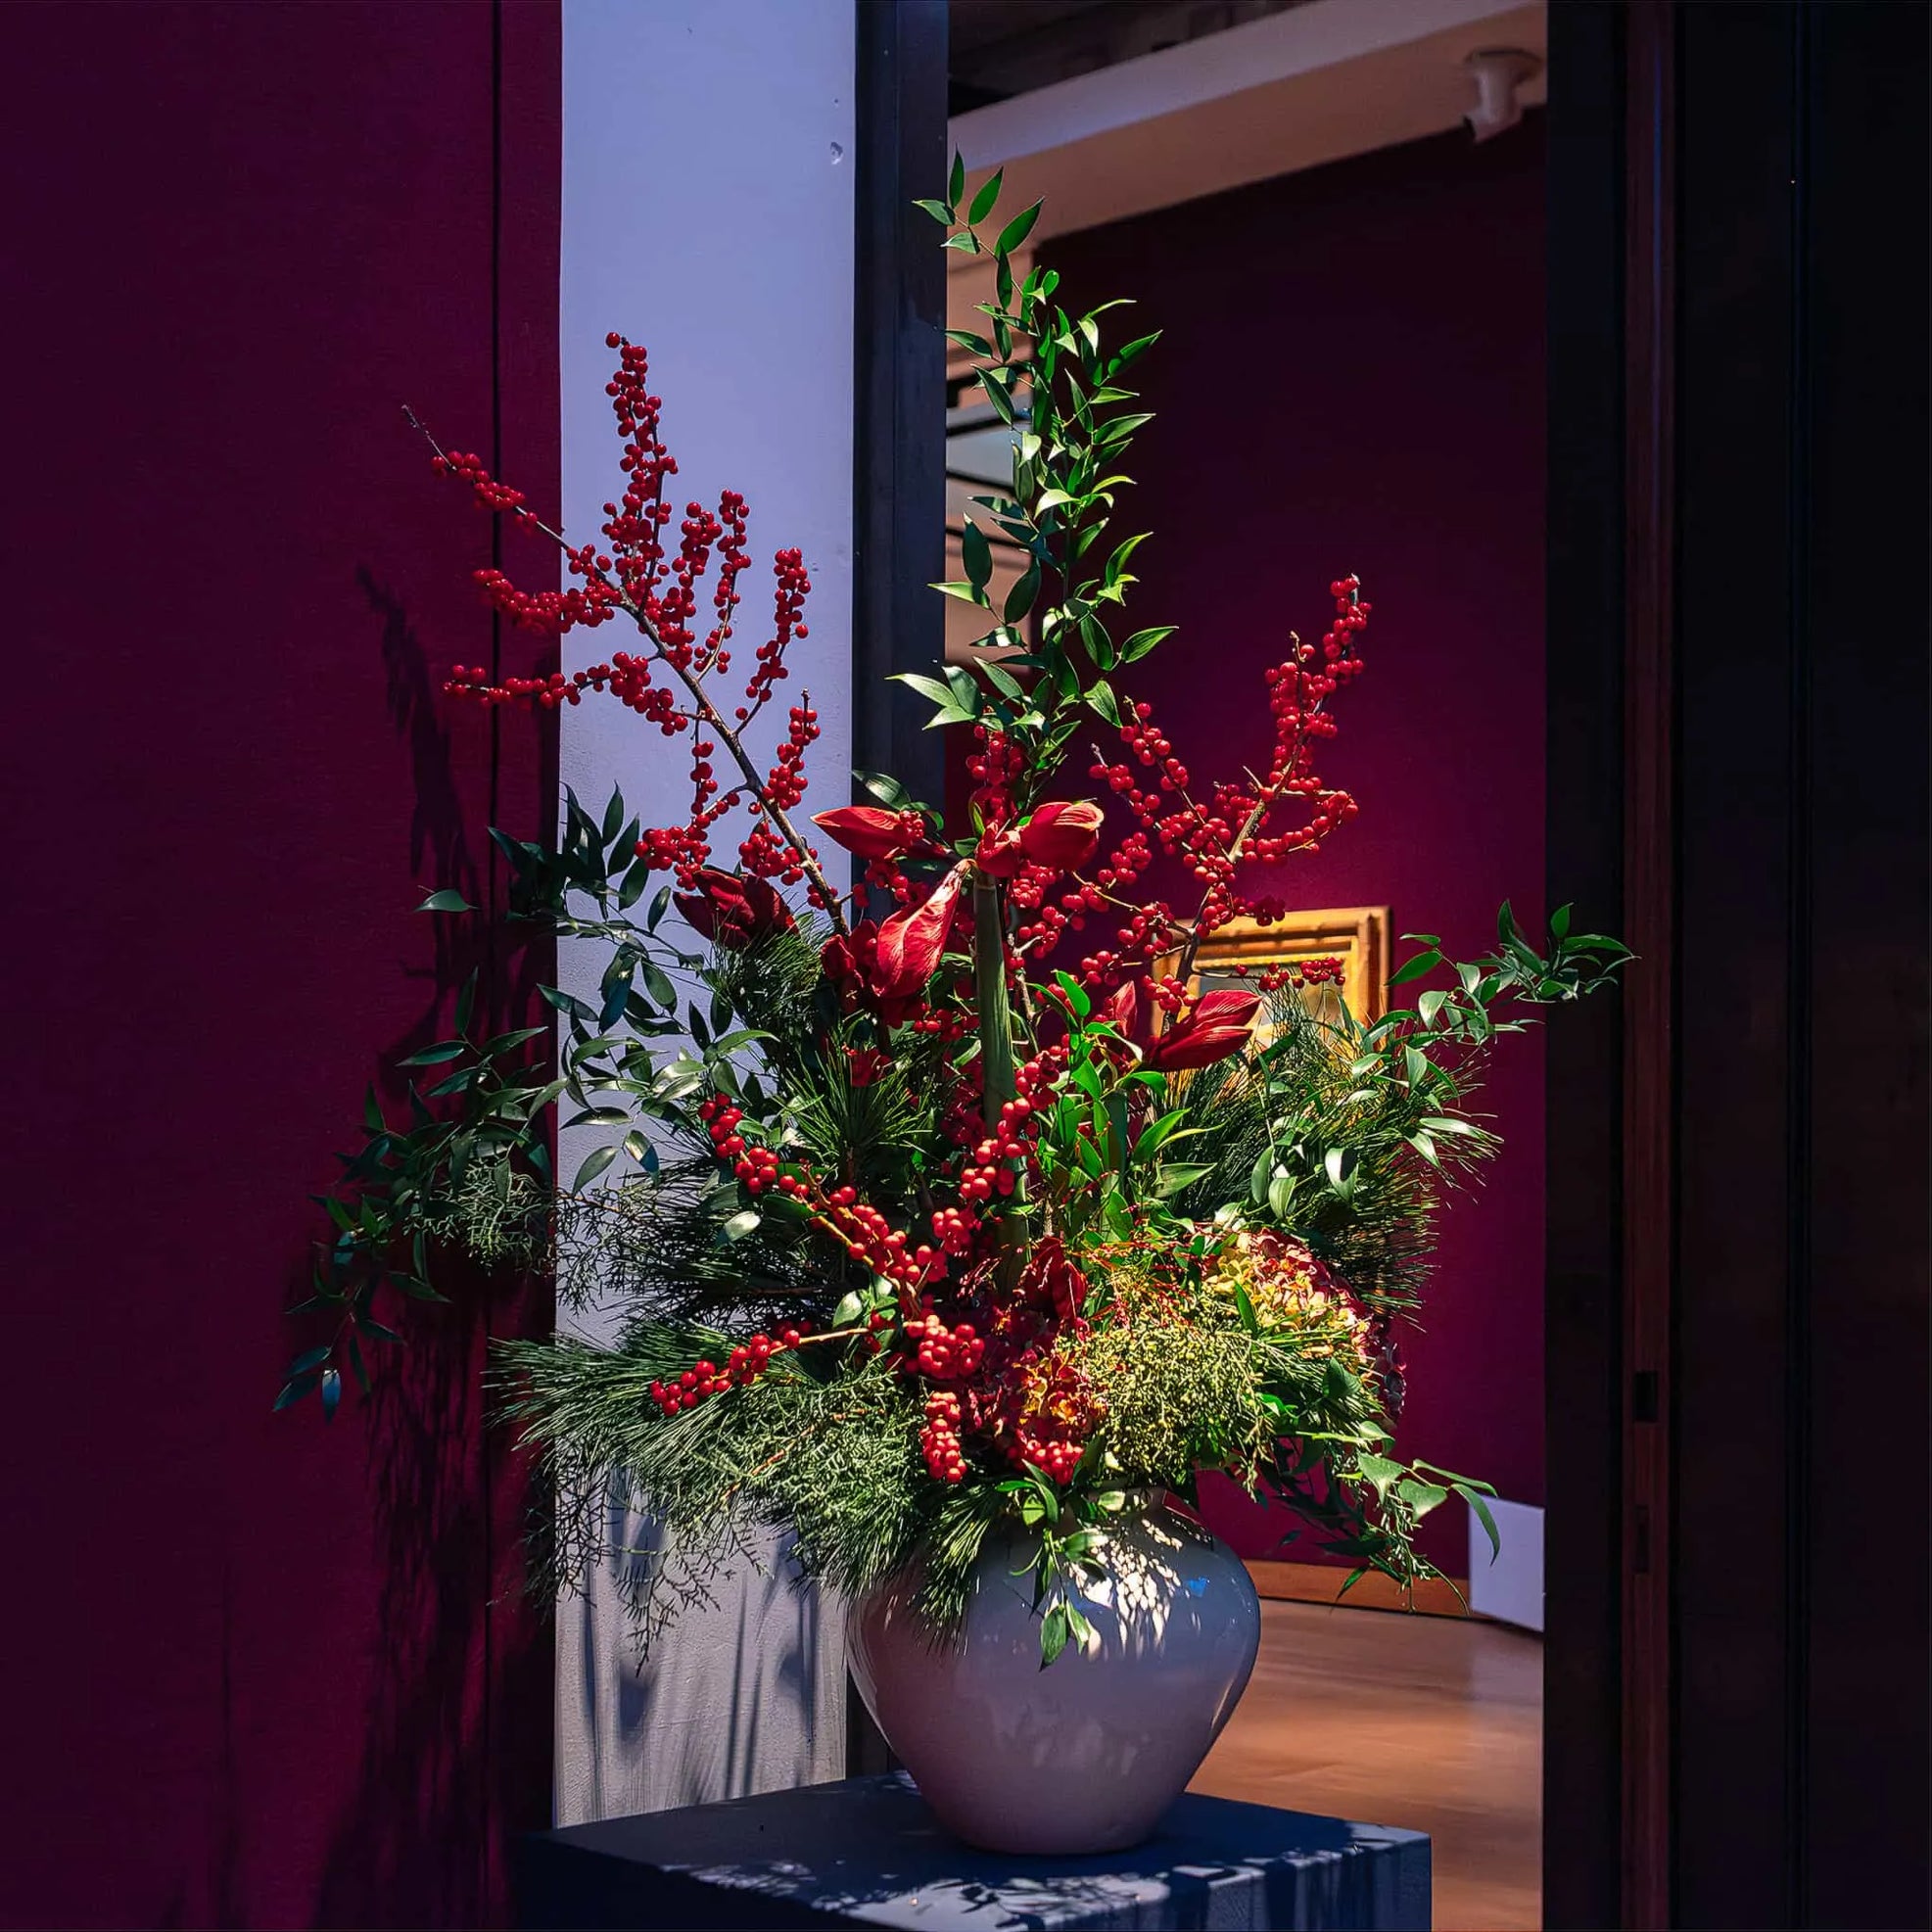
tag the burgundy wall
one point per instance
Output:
(251, 1677)
(1351, 379)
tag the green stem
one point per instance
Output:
(989, 973)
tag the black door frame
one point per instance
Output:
(1737, 1671)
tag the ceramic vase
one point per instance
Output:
(1087, 1753)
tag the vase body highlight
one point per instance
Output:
(1084, 1755)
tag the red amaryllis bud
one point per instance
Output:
(910, 943)
(1064, 836)
(1123, 1010)
(872, 831)
(993, 804)
(734, 910)
(999, 855)
(1218, 1026)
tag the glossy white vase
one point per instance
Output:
(1086, 1755)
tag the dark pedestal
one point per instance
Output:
(867, 1852)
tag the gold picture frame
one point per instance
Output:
(1357, 935)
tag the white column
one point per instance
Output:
(708, 215)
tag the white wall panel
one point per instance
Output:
(708, 215)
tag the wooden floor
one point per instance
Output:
(1432, 1723)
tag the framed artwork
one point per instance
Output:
(1357, 935)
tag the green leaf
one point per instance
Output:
(847, 1311)
(1421, 1496)
(984, 200)
(1340, 1163)
(978, 553)
(1175, 1176)
(331, 1392)
(1430, 1004)
(1469, 1495)
(956, 180)
(504, 1041)
(1076, 995)
(885, 788)
(1001, 680)
(598, 1160)
(293, 1391)
(448, 900)
(1142, 641)
(1415, 968)
(1245, 1305)
(658, 985)
(1019, 598)
(937, 210)
(1100, 699)
(434, 1055)
(740, 1225)
(1017, 230)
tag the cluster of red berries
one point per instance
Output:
(1152, 747)
(1008, 1140)
(993, 766)
(664, 848)
(756, 1166)
(785, 781)
(633, 527)
(549, 613)
(954, 1229)
(946, 1024)
(946, 1354)
(939, 1439)
(742, 1367)
(789, 591)
(864, 1233)
(467, 467)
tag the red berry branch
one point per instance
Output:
(658, 591)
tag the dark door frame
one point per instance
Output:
(1736, 1669)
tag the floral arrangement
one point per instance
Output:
(935, 1195)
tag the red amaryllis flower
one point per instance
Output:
(1061, 835)
(844, 960)
(734, 910)
(866, 1066)
(999, 853)
(850, 964)
(910, 943)
(872, 831)
(1218, 1026)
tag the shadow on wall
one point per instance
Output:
(732, 1699)
(462, 1664)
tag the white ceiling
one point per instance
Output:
(1315, 84)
